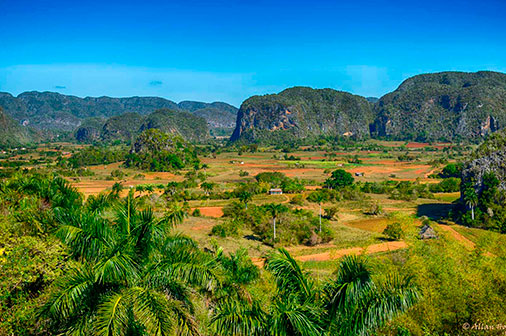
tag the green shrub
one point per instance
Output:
(331, 212)
(393, 231)
(451, 184)
(297, 200)
(339, 178)
(219, 230)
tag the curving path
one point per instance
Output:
(338, 253)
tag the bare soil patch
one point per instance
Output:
(215, 212)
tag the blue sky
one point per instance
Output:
(230, 50)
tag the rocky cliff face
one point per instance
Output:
(490, 157)
(445, 106)
(301, 112)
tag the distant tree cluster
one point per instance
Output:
(94, 155)
(280, 180)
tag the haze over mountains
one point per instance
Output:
(447, 106)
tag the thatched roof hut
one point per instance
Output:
(427, 232)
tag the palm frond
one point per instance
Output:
(204, 274)
(148, 232)
(86, 234)
(290, 317)
(171, 286)
(112, 316)
(153, 311)
(72, 293)
(356, 305)
(186, 323)
(391, 298)
(290, 278)
(117, 267)
(234, 318)
(353, 278)
(126, 213)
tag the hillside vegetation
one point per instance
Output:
(447, 106)
(12, 133)
(155, 150)
(300, 112)
(483, 187)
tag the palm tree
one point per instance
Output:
(275, 210)
(320, 197)
(131, 276)
(356, 304)
(471, 199)
(117, 188)
(245, 197)
(350, 304)
(294, 310)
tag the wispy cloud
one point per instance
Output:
(155, 83)
(122, 81)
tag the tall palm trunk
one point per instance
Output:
(274, 225)
(320, 217)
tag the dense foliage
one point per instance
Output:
(155, 150)
(274, 223)
(483, 192)
(339, 178)
(352, 302)
(280, 180)
(94, 155)
(108, 267)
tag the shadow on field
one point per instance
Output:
(434, 211)
(253, 237)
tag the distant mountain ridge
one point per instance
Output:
(57, 112)
(127, 126)
(446, 106)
